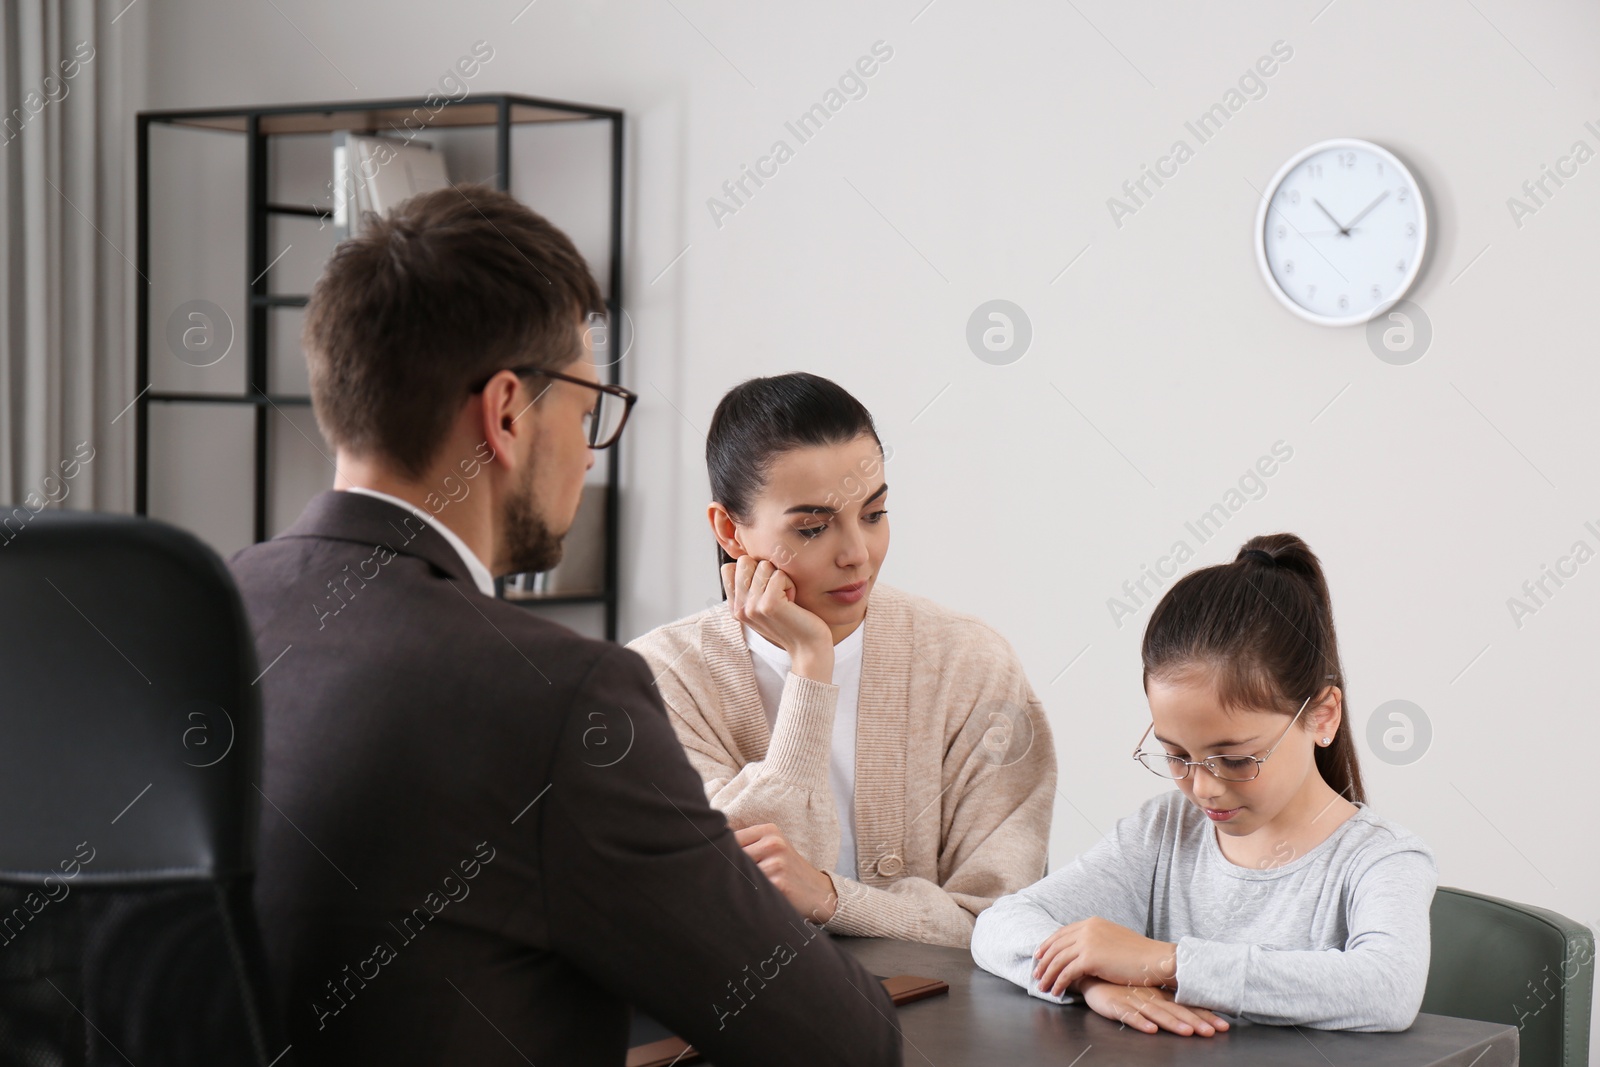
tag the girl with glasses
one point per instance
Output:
(1263, 888)
(881, 758)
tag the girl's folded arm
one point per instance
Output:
(1374, 983)
(1110, 880)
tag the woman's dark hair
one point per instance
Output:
(1261, 628)
(761, 419)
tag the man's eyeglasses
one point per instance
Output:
(603, 423)
(1229, 768)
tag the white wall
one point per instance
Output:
(978, 166)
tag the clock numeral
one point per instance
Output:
(1400, 266)
(1311, 292)
(1344, 302)
(1380, 166)
(1283, 231)
(1402, 193)
(1314, 169)
(1347, 159)
(1377, 293)
(1411, 229)
(1288, 266)
(1293, 196)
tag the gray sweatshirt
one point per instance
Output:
(1337, 938)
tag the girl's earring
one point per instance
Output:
(1327, 740)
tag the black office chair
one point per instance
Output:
(129, 753)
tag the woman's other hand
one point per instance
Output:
(802, 885)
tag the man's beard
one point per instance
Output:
(530, 544)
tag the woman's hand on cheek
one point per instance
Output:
(809, 890)
(1099, 948)
(764, 597)
(1148, 1009)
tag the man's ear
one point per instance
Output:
(504, 414)
(724, 529)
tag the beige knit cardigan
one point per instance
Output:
(955, 767)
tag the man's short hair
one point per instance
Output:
(427, 302)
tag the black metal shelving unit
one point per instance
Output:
(257, 125)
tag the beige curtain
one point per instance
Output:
(66, 277)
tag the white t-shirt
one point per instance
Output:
(771, 665)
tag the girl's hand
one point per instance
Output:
(802, 885)
(763, 596)
(1148, 1009)
(1099, 948)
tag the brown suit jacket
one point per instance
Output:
(481, 840)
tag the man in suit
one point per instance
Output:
(480, 839)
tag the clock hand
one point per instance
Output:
(1369, 207)
(1328, 213)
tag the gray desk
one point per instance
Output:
(986, 1020)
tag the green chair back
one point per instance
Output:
(1504, 962)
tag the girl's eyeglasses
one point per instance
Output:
(1229, 768)
(602, 424)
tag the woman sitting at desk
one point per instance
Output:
(881, 758)
(1263, 887)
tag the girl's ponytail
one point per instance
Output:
(1262, 627)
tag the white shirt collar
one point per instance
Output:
(480, 574)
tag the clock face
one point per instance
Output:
(1341, 232)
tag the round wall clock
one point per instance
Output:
(1341, 232)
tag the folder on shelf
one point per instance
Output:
(376, 173)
